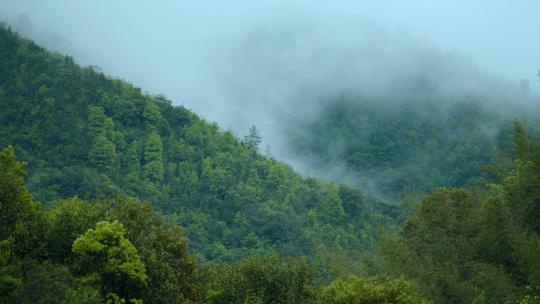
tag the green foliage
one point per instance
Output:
(106, 252)
(253, 139)
(153, 158)
(14, 198)
(520, 140)
(398, 144)
(151, 115)
(43, 283)
(531, 296)
(356, 290)
(520, 187)
(103, 154)
(484, 247)
(88, 136)
(441, 229)
(63, 259)
(270, 279)
(81, 293)
(9, 283)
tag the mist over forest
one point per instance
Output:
(269, 152)
(277, 65)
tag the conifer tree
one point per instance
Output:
(254, 138)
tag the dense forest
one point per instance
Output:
(411, 143)
(112, 195)
(83, 134)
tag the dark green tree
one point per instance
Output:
(254, 138)
(14, 197)
(9, 282)
(271, 279)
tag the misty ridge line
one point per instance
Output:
(278, 76)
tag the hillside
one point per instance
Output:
(125, 198)
(118, 251)
(395, 144)
(86, 135)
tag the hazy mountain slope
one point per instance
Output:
(83, 134)
(412, 142)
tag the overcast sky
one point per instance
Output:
(236, 62)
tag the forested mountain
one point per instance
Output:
(83, 134)
(483, 247)
(120, 251)
(224, 224)
(414, 142)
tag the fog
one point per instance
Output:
(266, 62)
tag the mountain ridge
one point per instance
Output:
(82, 133)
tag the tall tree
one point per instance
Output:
(102, 153)
(14, 197)
(107, 256)
(151, 115)
(254, 138)
(9, 283)
(153, 169)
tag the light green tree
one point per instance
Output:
(103, 155)
(108, 259)
(151, 115)
(355, 290)
(96, 121)
(102, 152)
(153, 169)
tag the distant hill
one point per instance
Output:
(395, 144)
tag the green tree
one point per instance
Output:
(151, 115)
(132, 168)
(14, 197)
(520, 187)
(70, 123)
(67, 221)
(105, 254)
(9, 283)
(97, 122)
(153, 169)
(435, 243)
(521, 140)
(44, 282)
(103, 155)
(355, 290)
(332, 209)
(271, 279)
(254, 138)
